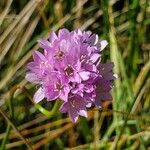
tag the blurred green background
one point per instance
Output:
(124, 123)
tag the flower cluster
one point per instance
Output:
(70, 69)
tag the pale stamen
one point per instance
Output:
(69, 70)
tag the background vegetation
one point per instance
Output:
(123, 123)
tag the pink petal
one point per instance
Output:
(64, 96)
(64, 107)
(37, 56)
(52, 36)
(83, 113)
(31, 77)
(89, 105)
(84, 75)
(51, 94)
(63, 33)
(74, 115)
(39, 95)
(93, 39)
(74, 119)
(103, 44)
(44, 43)
(94, 57)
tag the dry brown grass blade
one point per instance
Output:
(91, 20)
(72, 137)
(26, 36)
(5, 12)
(5, 95)
(122, 140)
(41, 127)
(78, 15)
(30, 140)
(27, 125)
(141, 78)
(68, 16)
(24, 131)
(137, 101)
(14, 34)
(31, 4)
(124, 114)
(13, 70)
(53, 135)
(135, 145)
(80, 147)
(44, 135)
(42, 14)
(14, 127)
(33, 122)
(96, 129)
(41, 136)
(137, 135)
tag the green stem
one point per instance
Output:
(108, 133)
(15, 128)
(47, 112)
(8, 129)
(138, 85)
(40, 108)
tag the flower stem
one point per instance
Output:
(40, 108)
(46, 112)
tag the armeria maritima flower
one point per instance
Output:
(70, 69)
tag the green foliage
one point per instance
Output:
(120, 124)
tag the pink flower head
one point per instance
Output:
(70, 69)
